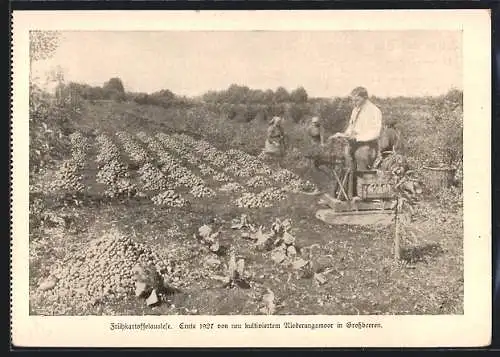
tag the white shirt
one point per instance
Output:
(365, 123)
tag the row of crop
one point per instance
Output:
(69, 176)
(113, 173)
(186, 153)
(162, 180)
(214, 160)
(240, 165)
(152, 179)
(177, 172)
(243, 165)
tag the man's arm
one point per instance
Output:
(348, 132)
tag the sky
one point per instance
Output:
(326, 64)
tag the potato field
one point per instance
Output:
(148, 219)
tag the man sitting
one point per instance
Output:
(364, 130)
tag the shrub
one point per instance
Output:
(50, 121)
(298, 112)
(434, 138)
(299, 96)
(114, 85)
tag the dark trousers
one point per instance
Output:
(363, 154)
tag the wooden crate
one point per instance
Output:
(374, 185)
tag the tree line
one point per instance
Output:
(243, 104)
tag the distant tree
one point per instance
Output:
(43, 44)
(164, 98)
(334, 114)
(277, 109)
(299, 95)
(281, 95)
(141, 98)
(114, 89)
(269, 97)
(262, 115)
(97, 93)
(114, 84)
(237, 94)
(454, 96)
(241, 113)
(297, 112)
(211, 97)
(257, 96)
(165, 93)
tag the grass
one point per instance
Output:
(364, 278)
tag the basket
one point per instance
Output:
(439, 177)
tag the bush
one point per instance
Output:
(436, 137)
(51, 119)
(114, 85)
(298, 112)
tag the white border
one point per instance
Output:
(471, 329)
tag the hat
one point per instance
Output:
(315, 119)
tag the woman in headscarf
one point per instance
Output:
(275, 141)
(315, 138)
(316, 132)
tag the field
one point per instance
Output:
(133, 187)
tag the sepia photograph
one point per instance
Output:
(246, 172)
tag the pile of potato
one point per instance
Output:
(152, 178)
(164, 158)
(252, 165)
(215, 157)
(239, 170)
(152, 144)
(250, 200)
(192, 159)
(185, 177)
(180, 148)
(284, 176)
(68, 177)
(116, 177)
(221, 177)
(170, 143)
(202, 191)
(206, 170)
(299, 185)
(107, 150)
(273, 194)
(258, 182)
(102, 272)
(197, 144)
(121, 187)
(79, 148)
(231, 187)
(262, 199)
(169, 198)
(135, 152)
(111, 171)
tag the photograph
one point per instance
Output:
(246, 172)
